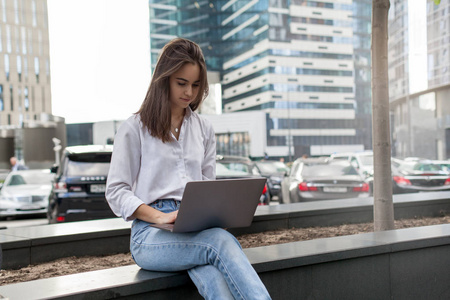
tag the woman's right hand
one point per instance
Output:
(149, 214)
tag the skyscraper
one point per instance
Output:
(438, 43)
(419, 84)
(292, 59)
(438, 50)
(24, 63)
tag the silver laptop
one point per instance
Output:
(223, 203)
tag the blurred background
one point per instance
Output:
(290, 82)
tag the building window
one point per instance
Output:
(16, 11)
(2, 106)
(11, 97)
(4, 11)
(26, 101)
(36, 68)
(235, 143)
(19, 67)
(7, 66)
(33, 13)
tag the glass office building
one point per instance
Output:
(419, 81)
(298, 61)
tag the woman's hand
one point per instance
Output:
(166, 218)
(149, 214)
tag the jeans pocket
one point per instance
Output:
(135, 223)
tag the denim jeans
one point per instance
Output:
(213, 258)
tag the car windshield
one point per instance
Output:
(272, 167)
(233, 169)
(39, 178)
(421, 167)
(91, 164)
(328, 170)
(367, 160)
(443, 166)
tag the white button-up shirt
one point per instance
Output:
(144, 169)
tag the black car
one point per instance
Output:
(78, 192)
(274, 171)
(228, 167)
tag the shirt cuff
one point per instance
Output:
(129, 209)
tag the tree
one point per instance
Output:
(382, 185)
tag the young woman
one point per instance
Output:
(156, 152)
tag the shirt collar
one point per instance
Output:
(188, 113)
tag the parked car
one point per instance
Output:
(444, 165)
(274, 171)
(228, 167)
(362, 161)
(3, 174)
(26, 192)
(419, 176)
(322, 179)
(78, 192)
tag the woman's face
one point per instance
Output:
(184, 86)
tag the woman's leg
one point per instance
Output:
(210, 283)
(160, 250)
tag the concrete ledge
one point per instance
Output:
(31, 245)
(408, 263)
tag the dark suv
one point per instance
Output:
(78, 192)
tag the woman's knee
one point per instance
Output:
(221, 238)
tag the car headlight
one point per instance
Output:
(7, 198)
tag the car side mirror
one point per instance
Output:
(54, 169)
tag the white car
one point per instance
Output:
(26, 192)
(362, 161)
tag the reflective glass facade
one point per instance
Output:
(25, 61)
(438, 37)
(305, 63)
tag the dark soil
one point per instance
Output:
(73, 265)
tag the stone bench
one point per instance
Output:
(31, 245)
(411, 263)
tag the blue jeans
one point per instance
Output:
(213, 258)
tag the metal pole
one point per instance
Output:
(289, 127)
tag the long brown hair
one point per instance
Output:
(155, 111)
